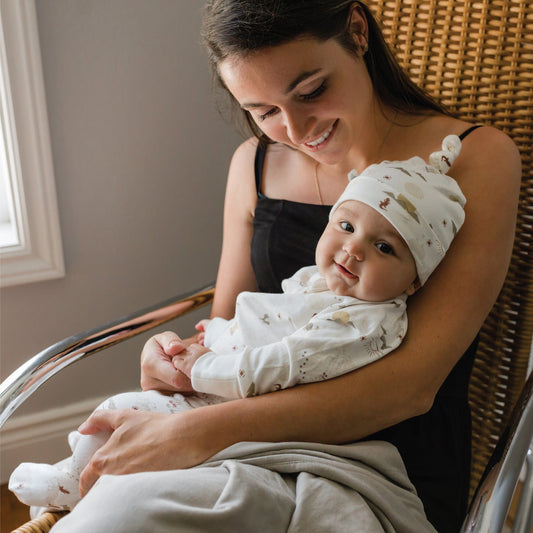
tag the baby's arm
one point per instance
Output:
(334, 342)
(185, 361)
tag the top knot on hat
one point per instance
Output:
(423, 203)
(443, 160)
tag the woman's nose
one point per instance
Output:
(298, 126)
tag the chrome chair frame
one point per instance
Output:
(493, 497)
(18, 386)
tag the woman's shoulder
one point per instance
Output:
(275, 154)
(488, 154)
(245, 152)
(284, 171)
(240, 189)
(475, 136)
(492, 139)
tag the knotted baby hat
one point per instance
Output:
(424, 204)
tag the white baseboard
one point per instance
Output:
(40, 437)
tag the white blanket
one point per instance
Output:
(261, 487)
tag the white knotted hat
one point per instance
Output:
(424, 204)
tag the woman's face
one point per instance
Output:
(311, 95)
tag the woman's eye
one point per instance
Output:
(346, 226)
(269, 113)
(385, 248)
(315, 93)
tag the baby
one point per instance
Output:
(387, 232)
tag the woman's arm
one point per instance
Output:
(235, 274)
(444, 317)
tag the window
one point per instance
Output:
(9, 235)
(30, 241)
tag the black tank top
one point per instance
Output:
(436, 446)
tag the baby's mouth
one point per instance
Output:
(345, 272)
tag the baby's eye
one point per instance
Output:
(346, 226)
(385, 248)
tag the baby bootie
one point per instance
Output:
(44, 486)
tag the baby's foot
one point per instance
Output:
(44, 485)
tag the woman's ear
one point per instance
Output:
(413, 287)
(358, 26)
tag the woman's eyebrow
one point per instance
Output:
(251, 106)
(301, 77)
(294, 83)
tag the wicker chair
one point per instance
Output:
(482, 68)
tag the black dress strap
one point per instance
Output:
(260, 153)
(259, 163)
(469, 131)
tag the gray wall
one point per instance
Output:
(140, 157)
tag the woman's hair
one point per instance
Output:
(240, 27)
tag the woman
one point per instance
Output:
(316, 81)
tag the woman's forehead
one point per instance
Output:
(282, 66)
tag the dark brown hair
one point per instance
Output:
(240, 27)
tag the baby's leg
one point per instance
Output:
(158, 402)
(57, 486)
(150, 400)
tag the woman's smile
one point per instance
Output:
(319, 143)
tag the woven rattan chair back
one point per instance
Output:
(477, 58)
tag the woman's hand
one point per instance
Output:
(186, 359)
(144, 441)
(157, 370)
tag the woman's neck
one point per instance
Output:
(376, 138)
(387, 137)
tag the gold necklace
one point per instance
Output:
(317, 185)
(386, 137)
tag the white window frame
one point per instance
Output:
(38, 254)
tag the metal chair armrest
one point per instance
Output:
(31, 375)
(523, 522)
(492, 499)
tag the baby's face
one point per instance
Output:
(361, 254)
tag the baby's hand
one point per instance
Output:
(186, 359)
(201, 327)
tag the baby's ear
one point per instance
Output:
(413, 287)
